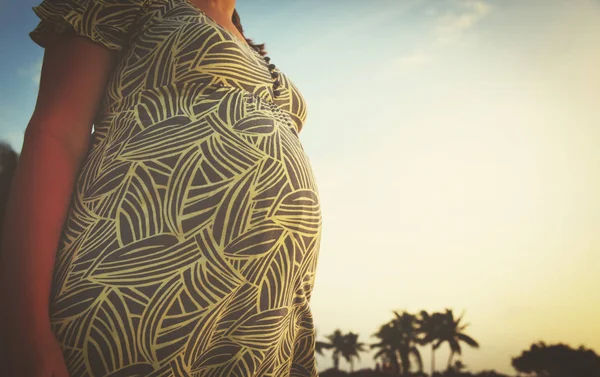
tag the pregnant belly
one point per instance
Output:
(231, 167)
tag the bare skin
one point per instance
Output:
(74, 75)
(220, 11)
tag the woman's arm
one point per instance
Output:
(74, 75)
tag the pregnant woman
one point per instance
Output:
(181, 237)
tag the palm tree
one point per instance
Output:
(397, 342)
(452, 332)
(352, 347)
(320, 346)
(430, 331)
(336, 342)
(407, 328)
(387, 347)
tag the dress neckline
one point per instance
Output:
(227, 31)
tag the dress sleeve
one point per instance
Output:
(108, 22)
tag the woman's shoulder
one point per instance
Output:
(108, 22)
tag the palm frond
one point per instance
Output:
(454, 346)
(467, 339)
(383, 352)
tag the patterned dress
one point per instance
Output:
(192, 237)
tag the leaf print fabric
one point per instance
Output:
(191, 241)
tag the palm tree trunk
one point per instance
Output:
(336, 362)
(396, 364)
(432, 360)
(450, 359)
(405, 362)
(351, 365)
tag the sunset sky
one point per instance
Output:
(457, 149)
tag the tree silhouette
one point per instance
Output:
(8, 164)
(398, 341)
(397, 350)
(490, 373)
(336, 343)
(344, 345)
(451, 331)
(352, 347)
(407, 327)
(387, 347)
(430, 327)
(558, 360)
(458, 367)
(320, 346)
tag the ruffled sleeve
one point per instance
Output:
(109, 22)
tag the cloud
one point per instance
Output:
(452, 25)
(15, 139)
(415, 59)
(33, 71)
(405, 63)
(451, 22)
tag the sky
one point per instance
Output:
(456, 146)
